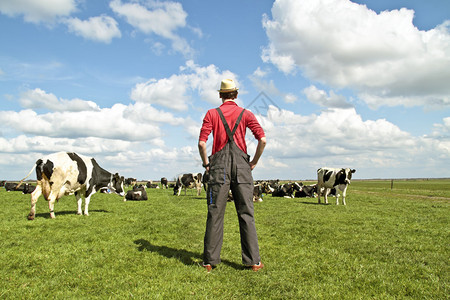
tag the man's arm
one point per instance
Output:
(258, 153)
(203, 153)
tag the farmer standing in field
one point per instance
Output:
(230, 167)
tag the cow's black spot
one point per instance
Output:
(46, 169)
(327, 175)
(82, 170)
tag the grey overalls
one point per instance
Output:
(230, 169)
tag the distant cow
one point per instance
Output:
(328, 178)
(205, 180)
(62, 173)
(10, 186)
(286, 190)
(306, 191)
(186, 181)
(257, 192)
(28, 188)
(137, 193)
(130, 181)
(164, 183)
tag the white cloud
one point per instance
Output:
(37, 11)
(101, 28)
(258, 79)
(343, 44)
(321, 98)
(154, 17)
(298, 145)
(173, 92)
(138, 122)
(38, 98)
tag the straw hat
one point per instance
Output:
(227, 85)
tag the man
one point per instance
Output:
(229, 167)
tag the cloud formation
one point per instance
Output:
(102, 28)
(37, 11)
(154, 17)
(174, 92)
(383, 57)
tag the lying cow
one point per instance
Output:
(62, 173)
(286, 190)
(328, 178)
(10, 186)
(306, 191)
(257, 192)
(186, 181)
(137, 193)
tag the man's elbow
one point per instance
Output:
(263, 141)
(201, 144)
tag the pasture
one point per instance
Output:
(385, 244)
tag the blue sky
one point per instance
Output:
(338, 83)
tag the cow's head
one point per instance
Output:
(297, 186)
(348, 174)
(176, 188)
(117, 184)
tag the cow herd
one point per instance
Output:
(67, 173)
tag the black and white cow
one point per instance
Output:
(138, 193)
(130, 181)
(28, 188)
(62, 173)
(164, 183)
(306, 191)
(186, 181)
(328, 178)
(205, 180)
(10, 186)
(286, 190)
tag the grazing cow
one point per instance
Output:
(306, 191)
(328, 178)
(286, 190)
(137, 193)
(164, 183)
(62, 173)
(188, 181)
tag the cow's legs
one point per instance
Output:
(79, 202)
(34, 198)
(51, 204)
(86, 205)
(319, 189)
(344, 192)
(326, 191)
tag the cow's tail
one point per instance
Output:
(32, 169)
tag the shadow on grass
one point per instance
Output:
(66, 212)
(312, 203)
(185, 256)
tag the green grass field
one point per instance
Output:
(385, 244)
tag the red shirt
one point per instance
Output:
(231, 111)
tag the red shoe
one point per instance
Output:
(258, 266)
(208, 267)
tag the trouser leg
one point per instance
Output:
(242, 194)
(217, 201)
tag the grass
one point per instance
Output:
(385, 244)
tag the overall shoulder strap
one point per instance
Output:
(225, 124)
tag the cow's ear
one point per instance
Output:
(353, 171)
